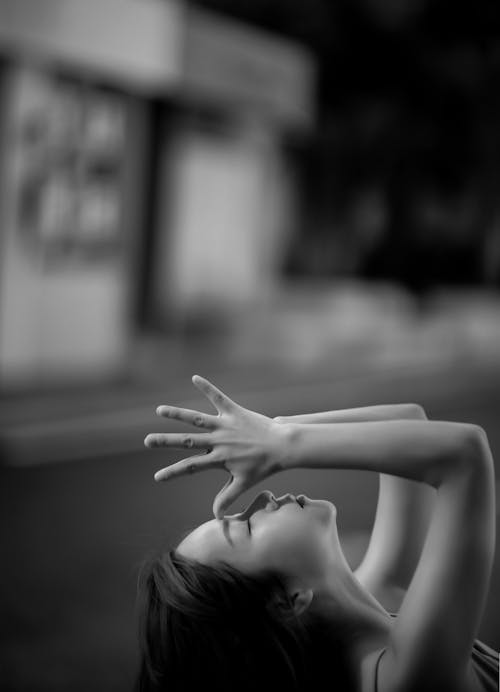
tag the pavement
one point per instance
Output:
(95, 421)
(324, 347)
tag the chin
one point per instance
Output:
(308, 502)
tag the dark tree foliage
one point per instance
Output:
(408, 100)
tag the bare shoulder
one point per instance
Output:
(368, 671)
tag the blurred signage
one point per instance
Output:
(157, 46)
(134, 43)
(229, 62)
(70, 149)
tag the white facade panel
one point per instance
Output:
(135, 43)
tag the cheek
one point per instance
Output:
(297, 544)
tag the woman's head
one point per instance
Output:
(209, 618)
(296, 537)
(214, 627)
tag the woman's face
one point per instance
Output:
(298, 538)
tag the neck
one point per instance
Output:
(364, 623)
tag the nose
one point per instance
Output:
(286, 499)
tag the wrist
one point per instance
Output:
(286, 437)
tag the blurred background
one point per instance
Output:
(300, 201)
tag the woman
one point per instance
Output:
(265, 599)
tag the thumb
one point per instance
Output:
(225, 497)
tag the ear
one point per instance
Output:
(301, 600)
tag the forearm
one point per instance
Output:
(404, 507)
(402, 518)
(421, 450)
(363, 413)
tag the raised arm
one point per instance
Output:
(431, 640)
(439, 618)
(404, 509)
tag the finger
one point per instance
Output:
(200, 420)
(229, 493)
(220, 400)
(188, 466)
(178, 440)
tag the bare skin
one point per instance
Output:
(298, 540)
(445, 598)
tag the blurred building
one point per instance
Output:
(143, 175)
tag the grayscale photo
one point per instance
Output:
(249, 345)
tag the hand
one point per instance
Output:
(247, 444)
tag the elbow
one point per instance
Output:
(412, 412)
(475, 449)
(418, 411)
(466, 455)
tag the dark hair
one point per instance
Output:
(213, 627)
